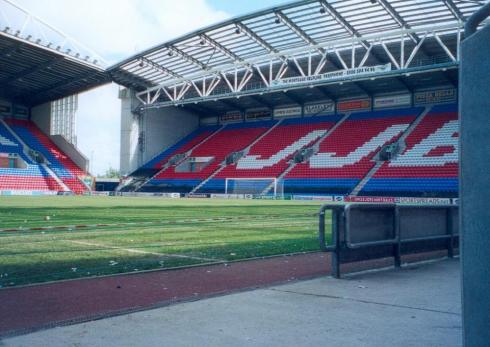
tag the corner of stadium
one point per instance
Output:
(311, 139)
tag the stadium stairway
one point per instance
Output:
(60, 164)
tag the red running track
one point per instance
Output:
(41, 306)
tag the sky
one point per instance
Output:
(116, 29)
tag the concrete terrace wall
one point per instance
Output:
(41, 115)
(164, 127)
(129, 134)
(72, 151)
(145, 135)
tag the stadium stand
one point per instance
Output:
(31, 177)
(425, 166)
(270, 156)
(429, 164)
(232, 138)
(67, 171)
(345, 156)
(184, 145)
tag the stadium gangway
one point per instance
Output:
(372, 231)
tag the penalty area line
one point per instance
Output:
(138, 251)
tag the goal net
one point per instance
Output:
(255, 186)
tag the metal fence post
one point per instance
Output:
(336, 242)
(398, 245)
(450, 231)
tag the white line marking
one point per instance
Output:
(132, 250)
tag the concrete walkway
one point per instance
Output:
(416, 306)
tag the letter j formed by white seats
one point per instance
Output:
(250, 162)
(330, 160)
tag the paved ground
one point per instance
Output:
(416, 306)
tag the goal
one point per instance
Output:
(255, 186)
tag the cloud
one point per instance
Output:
(116, 29)
(98, 127)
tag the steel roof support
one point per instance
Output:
(351, 30)
(455, 10)
(62, 84)
(269, 68)
(216, 45)
(188, 57)
(135, 81)
(396, 16)
(341, 20)
(252, 35)
(297, 30)
(302, 34)
(159, 67)
(31, 70)
(9, 50)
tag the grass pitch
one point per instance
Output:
(143, 234)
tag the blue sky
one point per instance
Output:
(117, 29)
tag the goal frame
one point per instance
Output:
(272, 179)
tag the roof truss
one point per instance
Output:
(305, 38)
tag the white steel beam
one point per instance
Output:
(396, 16)
(215, 44)
(159, 67)
(272, 59)
(297, 30)
(454, 10)
(187, 57)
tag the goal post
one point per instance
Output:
(255, 186)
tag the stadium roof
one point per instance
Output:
(212, 63)
(39, 63)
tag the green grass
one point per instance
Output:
(166, 233)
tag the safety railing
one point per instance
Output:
(362, 232)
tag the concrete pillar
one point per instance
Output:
(129, 133)
(475, 187)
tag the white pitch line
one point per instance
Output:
(132, 250)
